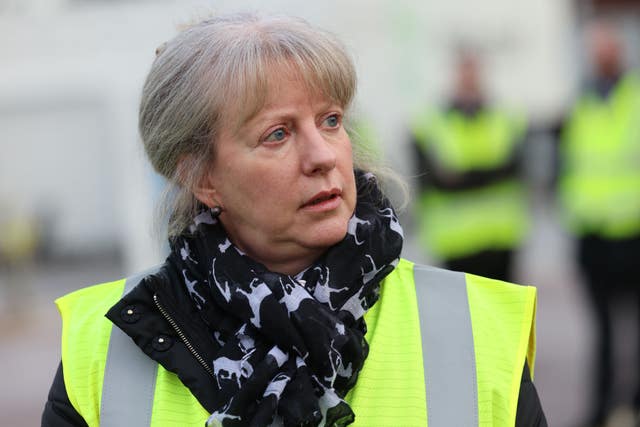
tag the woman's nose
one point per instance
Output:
(317, 153)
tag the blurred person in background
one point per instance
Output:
(598, 186)
(472, 211)
(284, 300)
(20, 240)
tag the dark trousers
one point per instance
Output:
(495, 264)
(612, 270)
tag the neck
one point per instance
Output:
(288, 268)
(289, 262)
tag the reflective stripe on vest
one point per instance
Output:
(129, 376)
(450, 370)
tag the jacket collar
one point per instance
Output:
(161, 319)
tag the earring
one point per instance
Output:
(216, 211)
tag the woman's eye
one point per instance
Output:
(276, 135)
(332, 121)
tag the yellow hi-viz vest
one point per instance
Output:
(600, 177)
(445, 349)
(459, 223)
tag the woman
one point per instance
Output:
(284, 300)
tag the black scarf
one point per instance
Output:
(291, 347)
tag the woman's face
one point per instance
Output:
(284, 178)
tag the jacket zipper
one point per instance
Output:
(184, 339)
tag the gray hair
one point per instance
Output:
(215, 73)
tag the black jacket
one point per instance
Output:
(139, 316)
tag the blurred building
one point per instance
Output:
(72, 72)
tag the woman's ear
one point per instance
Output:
(206, 193)
(201, 186)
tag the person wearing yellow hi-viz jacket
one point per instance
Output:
(284, 300)
(472, 213)
(598, 187)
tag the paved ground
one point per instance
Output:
(30, 331)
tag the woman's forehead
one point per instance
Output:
(278, 86)
(292, 86)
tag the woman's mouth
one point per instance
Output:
(325, 200)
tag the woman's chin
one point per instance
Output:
(325, 237)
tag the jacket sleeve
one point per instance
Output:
(529, 412)
(58, 411)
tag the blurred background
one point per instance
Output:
(76, 194)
